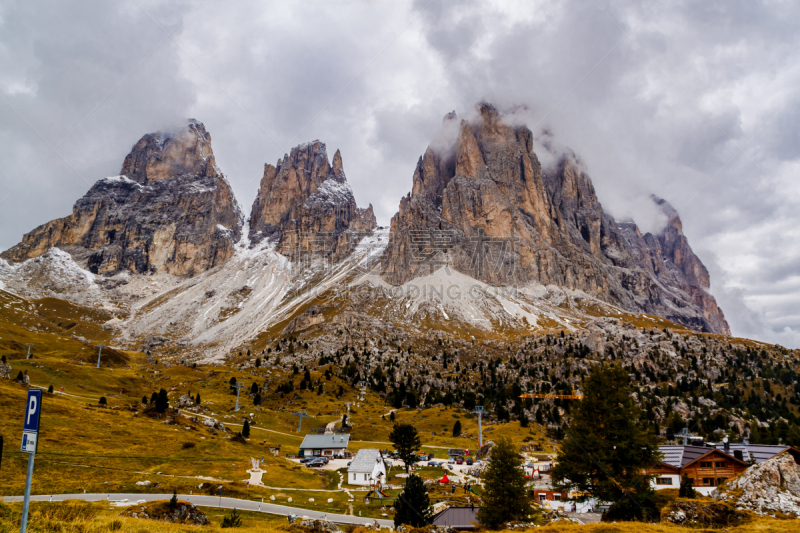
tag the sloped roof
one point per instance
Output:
(457, 517)
(333, 441)
(365, 460)
(758, 452)
(678, 456)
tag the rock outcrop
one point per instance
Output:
(307, 207)
(171, 210)
(487, 208)
(182, 513)
(772, 487)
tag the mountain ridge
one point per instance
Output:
(487, 243)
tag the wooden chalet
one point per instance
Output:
(711, 465)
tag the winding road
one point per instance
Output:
(211, 501)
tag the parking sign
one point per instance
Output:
(30, 429)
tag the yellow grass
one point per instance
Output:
(100, 517)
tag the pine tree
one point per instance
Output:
(254, 388)
(197, 399)
(50, 389)
(391, 416)
(144, 400)
(407, 442)
(258, 362)
(504, 497)
(102, 401)
(413, 506)
(153, 398)
(162, 401)
(246, 430)
(686, 490)
(173, 502)
(608, 446)
(457, 428)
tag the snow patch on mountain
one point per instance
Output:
(53, 273)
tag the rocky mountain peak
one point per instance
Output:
(307, 207)
(159, 156)
(494, 214)
(171, 210)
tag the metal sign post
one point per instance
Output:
(29, 350)
(30, 439)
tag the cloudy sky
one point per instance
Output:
(696, 101)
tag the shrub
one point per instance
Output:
(187, 445)
(173, 502)
(232, 520)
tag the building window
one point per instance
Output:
(721, 464)
(557, 497)
(705, 464)
(721, 480)
(708, 481)
(664, 481)
(542, 497)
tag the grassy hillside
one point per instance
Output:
(87, 447)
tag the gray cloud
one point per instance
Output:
(695, 101)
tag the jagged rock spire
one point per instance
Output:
(307, 207)
(498, 217)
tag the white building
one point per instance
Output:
(331, 445)
(367, 468)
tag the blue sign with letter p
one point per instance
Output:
(32, 410)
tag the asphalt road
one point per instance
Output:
(210, 501)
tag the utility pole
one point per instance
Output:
(99, 351)
(29, 350)
(480, 411)
(302, 414)
(238, 387)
